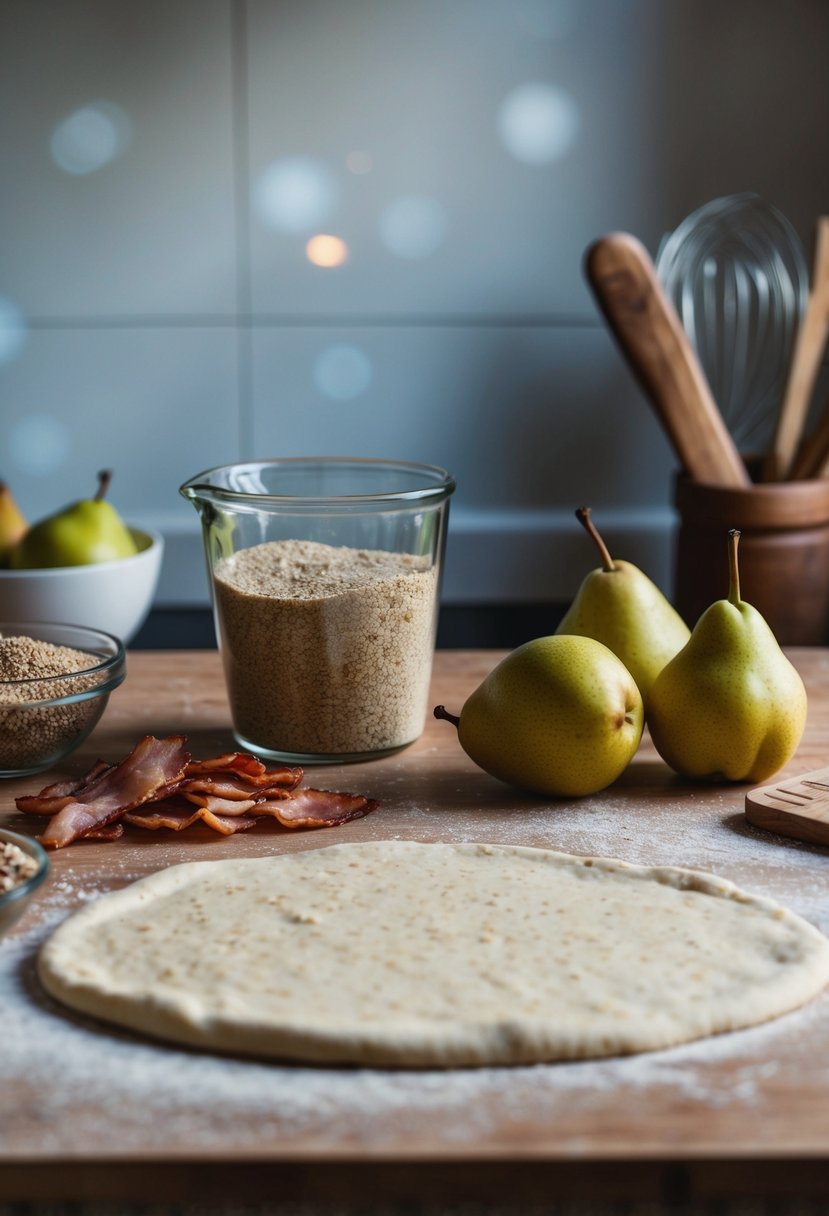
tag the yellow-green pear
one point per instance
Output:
(13, 525)
(730, 705)
(619, 605)
(82, 534)
(559, 715)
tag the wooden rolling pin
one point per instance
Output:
(652, 339)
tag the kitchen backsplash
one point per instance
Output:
(237, 229)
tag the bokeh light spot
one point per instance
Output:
(342, 372)
(39, 444)
(538, 123)
(90, 137)
(12, 331)
(413, 226)
(326, 250)
(295, 194)
(359, 162)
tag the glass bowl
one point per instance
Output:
(14, 901)
(43, 719)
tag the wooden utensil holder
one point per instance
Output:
(784, 553)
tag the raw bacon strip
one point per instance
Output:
(307, 808)
(178, 816)
(242, 764)
(158, 785)
(151, 768)
(227, 824)
(231, 787)
(51, 799)
(61, 789)
(168, 813)
(227, 783)
(50, 804)
(35, 804)
(111, 831)
(221, 806)
(287, 778)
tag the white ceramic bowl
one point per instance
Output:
(113, 596)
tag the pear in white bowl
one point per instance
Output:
(84, 533)
(84, 566)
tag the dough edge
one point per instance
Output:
(464, 1044)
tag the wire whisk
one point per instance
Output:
(736, 273)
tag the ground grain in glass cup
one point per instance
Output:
(28, 733)
(327, 650)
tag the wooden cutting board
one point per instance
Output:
(798, 807)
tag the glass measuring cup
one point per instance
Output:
(325, 578)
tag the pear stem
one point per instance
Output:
(104, 478)
(440, 712)
(584, 517)
(733, 567)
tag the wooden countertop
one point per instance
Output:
(85, 1109)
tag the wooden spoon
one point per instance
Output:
(650, 335)
(808, 350)
(812, 460)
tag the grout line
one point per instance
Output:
(247, 321)
(241, 196)
(426, 320)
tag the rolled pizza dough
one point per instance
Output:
(401, 953)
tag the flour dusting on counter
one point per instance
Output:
(719, 842)
(87, 1083)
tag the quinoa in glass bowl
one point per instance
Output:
(23, 867)
(55, 682)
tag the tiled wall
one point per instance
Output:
(164, 165)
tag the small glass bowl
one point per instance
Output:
(42, 720)
(13, 902)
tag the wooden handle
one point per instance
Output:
(798, 807)
(812, 460)
(808, 349)
(651, 337)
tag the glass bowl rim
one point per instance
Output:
(114, 664)
(28, 845)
